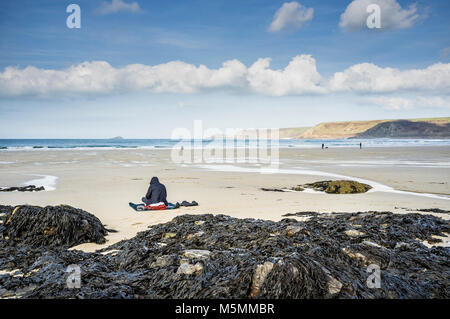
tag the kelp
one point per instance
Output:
(217, 256)
(329, 187)
(28, 188)
(50, 226)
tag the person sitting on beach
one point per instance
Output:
(156, 195)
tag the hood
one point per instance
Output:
(154, 180)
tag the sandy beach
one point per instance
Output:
(102, 182)
(219, 158)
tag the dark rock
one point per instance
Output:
(301, 214)
(272, 190)
(339, 187)
(407, 129)
(330, 187)
(433, 210)
(296, 188)
(246, 258)
(29, 188)
(50, 226)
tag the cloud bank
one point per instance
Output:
(299, 77)
(370, 78)
(291, 15)
(403, 103)
(393, 16)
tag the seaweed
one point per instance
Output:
(217, 256)
(433, 210)
(29, 188)
(301, 214)
(272, 190)
(329, 187)
(339, 187)
(50, 226)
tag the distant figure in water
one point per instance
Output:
(360, 145)
(323, 145)
(156, 193)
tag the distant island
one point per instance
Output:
(116, 138)
(400, 128)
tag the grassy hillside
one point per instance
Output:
(408, 129)
(338, 129)
(434, 120)
(357, 128)
(425, 127)
(293, 131)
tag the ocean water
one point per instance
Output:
(43, 144)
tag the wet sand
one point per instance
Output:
(102, 182)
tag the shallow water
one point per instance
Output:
(89, 144)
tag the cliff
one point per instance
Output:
(407, 129)
(413, 128)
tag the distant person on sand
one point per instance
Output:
(156, 193)
(360, 145)
(323, 145)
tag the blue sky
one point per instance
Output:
(34, 33)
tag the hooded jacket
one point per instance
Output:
(156, 192)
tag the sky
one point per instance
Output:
(140, 69)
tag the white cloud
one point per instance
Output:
(367, 77)
(433, 101)
(300, 76)
(405, 103)
(117, 6)
(100, 77)
(393, 16)
(391, 103)
(291, 15)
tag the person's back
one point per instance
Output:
(156, 193)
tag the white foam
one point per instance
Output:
(48, 181)
(376, 187)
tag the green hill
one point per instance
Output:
(412, 128)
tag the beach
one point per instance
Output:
(238, 154)
(103, 182)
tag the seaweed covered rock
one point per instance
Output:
(29, 188)
(330, 187)
(339, 187)
(50, 226)
(326, 256)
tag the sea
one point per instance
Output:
(80, 144)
